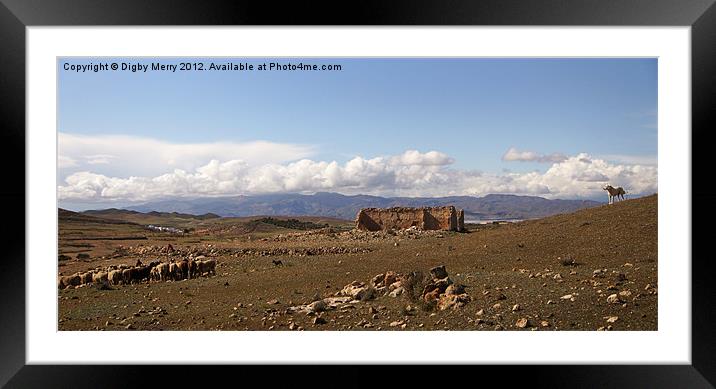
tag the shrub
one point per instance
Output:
(414, 283)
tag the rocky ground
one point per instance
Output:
(595, 269)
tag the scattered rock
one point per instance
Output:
(319, 320)
(612, 319)
(614, 299)
(523, 323)
(516, 308)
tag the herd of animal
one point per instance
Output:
(154, 271)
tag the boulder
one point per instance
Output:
(358, 291)
(317, 306)
(378, 280)
(438, 272)
(390, 278)
(431, 296)
(453, 301)
(455, 289)
(397, 292)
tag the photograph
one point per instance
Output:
(357, 194)
(503, 186)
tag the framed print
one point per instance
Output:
(463, 185)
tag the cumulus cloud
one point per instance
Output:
(530, 156)
(122, 156)
(409, 174)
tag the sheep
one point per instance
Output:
(64, 282)
(127, 276)
(174, 271)
(192, 268)
(141, 273)
(200, 268)
(162, 271)
(100, 276)
(208, 266)
(86, 278)
(115, 277)
(183, 268)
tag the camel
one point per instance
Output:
(613, 192)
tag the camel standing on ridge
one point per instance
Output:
(617, 193)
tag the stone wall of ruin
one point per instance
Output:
(428, 218)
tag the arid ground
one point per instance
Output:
(594, 269)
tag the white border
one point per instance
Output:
(670, 344)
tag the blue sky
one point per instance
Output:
(472, 110)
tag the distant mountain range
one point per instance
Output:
(490, 207)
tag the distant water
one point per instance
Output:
(489, 221)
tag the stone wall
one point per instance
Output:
(426, 218)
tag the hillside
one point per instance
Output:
(592, 269)
(65, 216)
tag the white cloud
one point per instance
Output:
(124, 156)
(64, 162)
(409, 174)
(530, 156)
(99, 159)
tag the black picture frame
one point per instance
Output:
(16, 15)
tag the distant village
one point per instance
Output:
(165, 229)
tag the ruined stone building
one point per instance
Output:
(424, 218)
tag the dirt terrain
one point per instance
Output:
(594, 269)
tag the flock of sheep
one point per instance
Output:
(155, 271)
